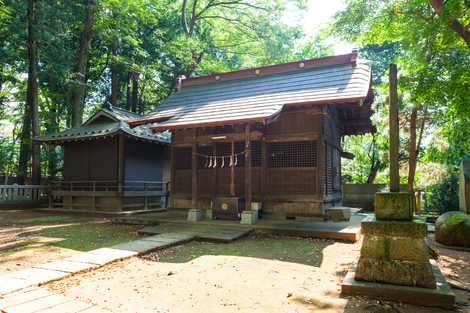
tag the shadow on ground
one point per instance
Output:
(287, 249)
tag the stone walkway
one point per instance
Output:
(19, 290)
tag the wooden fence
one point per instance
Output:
(23, 195)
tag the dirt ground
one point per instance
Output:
(233, 283)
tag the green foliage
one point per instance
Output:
(144, 38)
(434, 62)
(443, 196)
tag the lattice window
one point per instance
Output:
(293, 154)
(183, 158)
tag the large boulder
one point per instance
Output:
(453, 229)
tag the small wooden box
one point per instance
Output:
(228, 208)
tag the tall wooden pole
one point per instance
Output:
(194, 175)
(394, 130)
(232, 171)
(247, 168)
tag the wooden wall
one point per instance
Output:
(143, 161)
(90, 160)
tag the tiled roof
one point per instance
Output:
(117, 121)
(260, 97)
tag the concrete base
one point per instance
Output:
(195, 215)
(249, 217)
(442, 296)
(209, 214)
(339, 214)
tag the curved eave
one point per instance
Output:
(259, 119)
(63, 140)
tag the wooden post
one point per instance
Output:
(94, 196)
(214, 173)
(173, 168)
(232, 172)
(394, 130)
(194, 175)
(247, 168)
(145, 197)
(264, 161)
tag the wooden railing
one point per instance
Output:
(127, 186)
(23, 193)
(93, 194)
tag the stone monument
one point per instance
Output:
(395, 262)
(394, 250)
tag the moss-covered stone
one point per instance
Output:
(453, 229)
(406, 273)
(408, 229)
(393, 206)
(407, 249)
(373, 247)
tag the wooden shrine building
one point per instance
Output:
(267, 137)
(109, 166)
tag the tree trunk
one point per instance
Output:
(52, 127)
(114, 77)
(412, 150)
(78, 87)
(25, 147)
(135, 92)
(412, 156)
(32, 92)
(129, 92)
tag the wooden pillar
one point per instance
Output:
(120, 159)
(264, 161)
(232, 171)
(214, 172)
(247, 168)
(194, 175)
(394, 130)
(173, 169)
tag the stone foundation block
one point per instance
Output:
(408, 229)
(393, 206)
(195, 215)
(249, 217)
(405, 273)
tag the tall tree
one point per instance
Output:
(78, 87)
(32, 91)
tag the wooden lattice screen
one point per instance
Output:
(293, 154)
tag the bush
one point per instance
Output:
(444, 196)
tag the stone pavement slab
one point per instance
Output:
(36, 276)
(66, 266)
(98, 259)
(37, 305)
(9, 284)
(22, 296)
(41, 300)
(141, 246)
(170, 238)
(71, 306)
(118, 253)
